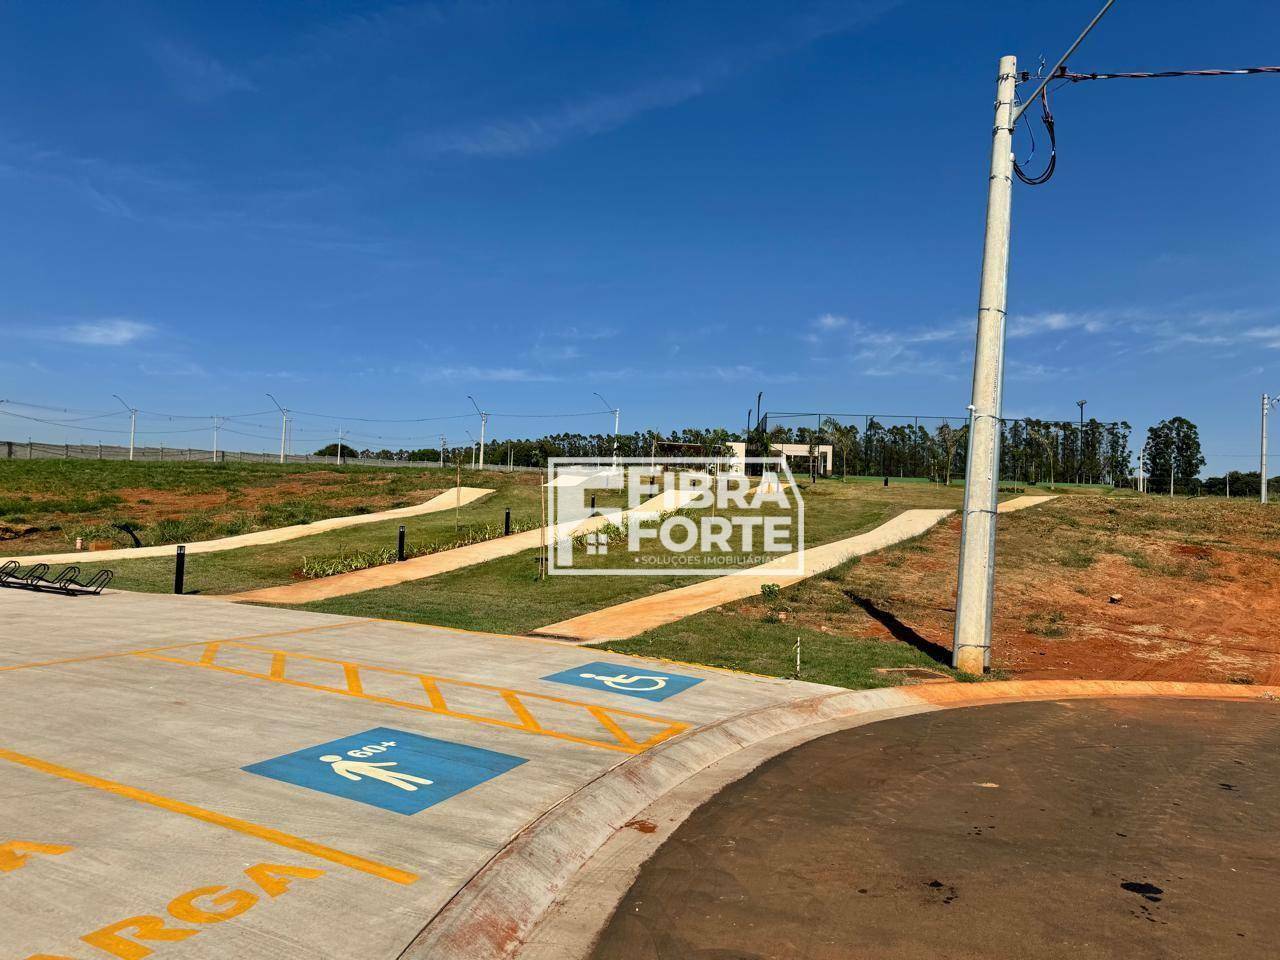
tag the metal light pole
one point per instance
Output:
(442, 450)
(284, 424)
(133, 422)
(339, 446)
(1267, 403)
(216, 424)
(484, 418)
(616, 413)
(1080, 445)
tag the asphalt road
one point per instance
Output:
(1088, 828)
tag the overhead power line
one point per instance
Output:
(1064, 74)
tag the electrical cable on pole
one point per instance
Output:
(971, 650)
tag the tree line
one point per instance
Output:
(1032, 451)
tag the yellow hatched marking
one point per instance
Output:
(522, 703)
(352, 674)
(433, 693)
(611, 725)
(521, 711)
(210, 652)
(277, 666)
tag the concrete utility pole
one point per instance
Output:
(442, 449)
(616, 413)
(284, 424)
(484, 418)
(215, 438)
(972, 644)
(133, 422)
(339, 446)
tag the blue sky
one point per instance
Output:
(375, 209)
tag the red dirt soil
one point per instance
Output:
(1190, 611)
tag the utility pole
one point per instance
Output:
(972, 643)
(616, 413)
(284, 424)
(976, 582)
(339, 446)
(1267, 403)
(1141, 485)
(484, 418)
(442, 450)
(1080, 445)
(133, 422)
(216, 424)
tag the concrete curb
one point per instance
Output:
(493, 914)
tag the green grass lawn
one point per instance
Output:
(506, 595)
(721, 639)
(248, 568)
(46, 504)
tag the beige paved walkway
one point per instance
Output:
(444, 501)
(636, 616)
(434, 564)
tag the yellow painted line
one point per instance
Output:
(521, 711)
(433, 693)
(528, 724)
(352, 674)
(180, 646)
(394, 874)
(612, 726)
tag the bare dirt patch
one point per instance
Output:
(1087, 587)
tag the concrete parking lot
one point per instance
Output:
(192, 777)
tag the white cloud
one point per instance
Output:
(107, 332)
(197, 76)
(547, 129)
(497, 374)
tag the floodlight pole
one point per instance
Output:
(484, 418)
(133, 422)
(284, 424)
(1080, 445)
(972, 643)
(1267, 402)
(616, 413)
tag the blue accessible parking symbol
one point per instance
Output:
(397, 771)
(625, 679)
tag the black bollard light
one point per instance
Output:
(400, 543)
(506, 523)
(179, 568)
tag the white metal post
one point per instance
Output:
(484, 418)
(284, 431)
(442, 449)
(339, 446)
(215, 439)
(133, 426)
(972, 643)
(1262, 469)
